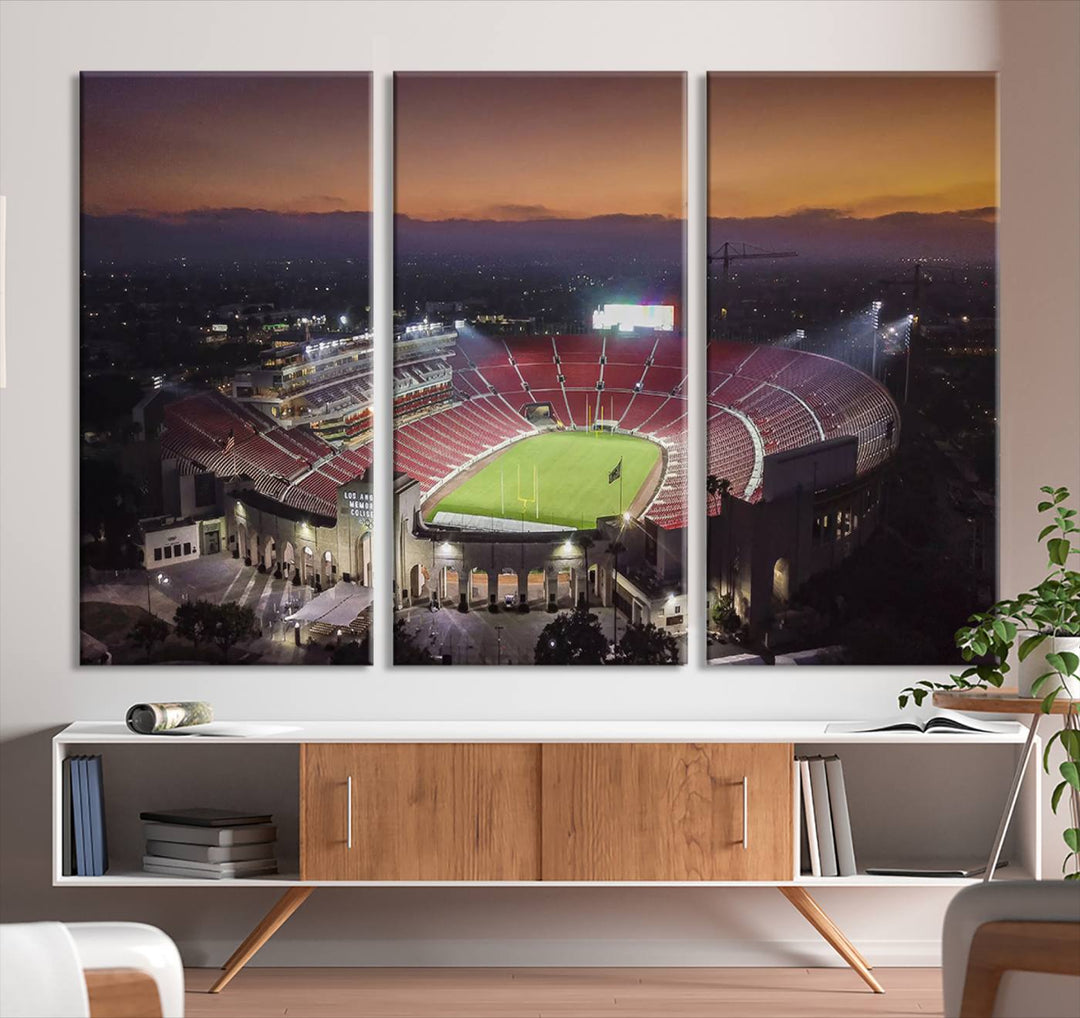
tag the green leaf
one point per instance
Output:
(920, 695)
(1047, 530)
(1000, 631)
(902, 699)
(1040, 682)
(1070, 661)
(1071, 773)
(1048, 701)
(1059, 734)
(1070, 739)
(1043, 506)
(1030, 644)
(1072, 876)
(1055, 796)
(1058, 550)
(1060, 495)
(1072, 838)
(1046, 488)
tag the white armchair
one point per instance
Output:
(88, 970)
(1012, 950)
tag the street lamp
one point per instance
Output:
(162, 580)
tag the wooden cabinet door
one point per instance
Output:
(433, 811)
(663, 811)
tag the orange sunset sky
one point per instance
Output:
(866, 144)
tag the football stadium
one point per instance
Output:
(515, 454)
(510, 449)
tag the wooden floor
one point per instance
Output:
(563, 993)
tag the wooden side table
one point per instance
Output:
(1006, 701)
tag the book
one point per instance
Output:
(823, 817)
(841, 818)
(802, 849)
(67, 857)
(210, 853)
(225, 868)
(935, 868)
(808, 812)
(84, 853)
(165, 869)
(204, 817)
(938, 722)
(187, 835)
(99, 857)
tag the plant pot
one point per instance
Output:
(1029, 670)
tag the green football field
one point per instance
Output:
(566, 472)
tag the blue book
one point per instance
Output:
(80, 816)
(67, 827)
(97, 817)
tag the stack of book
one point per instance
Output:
(85, 848)
(214, 844)
(828, 849)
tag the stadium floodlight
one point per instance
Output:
(626, 517)
(344, 319)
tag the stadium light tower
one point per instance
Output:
(916, 284)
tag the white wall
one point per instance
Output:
(43, 48)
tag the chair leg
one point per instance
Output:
(813, 913)
(285, 906)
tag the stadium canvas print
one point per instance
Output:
(852, 359)
(539, 369)
(225, 352)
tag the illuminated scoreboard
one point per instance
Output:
(629, 317)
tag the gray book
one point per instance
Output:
(210, 853)
(228, 868)
(841, 817)
(164, 868)
(248, 834)
(67, 848)
(823, 817)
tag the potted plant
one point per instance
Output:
(1043, 625)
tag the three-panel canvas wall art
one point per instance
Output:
(537, 370)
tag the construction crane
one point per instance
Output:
(729, 252)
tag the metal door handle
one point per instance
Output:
(745, 811)
(348, 812)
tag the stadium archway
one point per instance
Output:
(781, 582)
(417, 580)
(363, 560)
(478, 586)
(307, 566)
(242, 540)
(269, 554)
(449, 585)
(288, 558)
(326, 569)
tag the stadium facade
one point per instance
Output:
(801, 441)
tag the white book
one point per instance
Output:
(802, 852)
(243, 866)
(823, 817)
(928, 722)
(165, 868)
(841, 817)
(210, 853)
(808, 812)
(190, 834)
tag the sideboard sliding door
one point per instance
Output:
(432, 811)
(663, 811)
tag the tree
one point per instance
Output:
(572, 638)
(646, 645)
(231, 624)
(148, 632)
(717, 487)
(724, 615)
(407, 651)
(352, 653)
(224, 624)
(194, 621)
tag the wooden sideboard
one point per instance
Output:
(545, 803)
